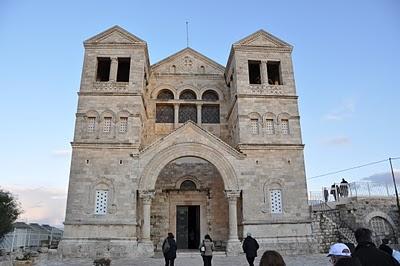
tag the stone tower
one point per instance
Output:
(185, 146)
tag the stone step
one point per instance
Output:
(195, 253)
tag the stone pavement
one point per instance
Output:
(301, 260)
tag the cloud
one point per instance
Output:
(384, 178)
(41, 205)
(345, 110)
(61, 153)
(337, 141)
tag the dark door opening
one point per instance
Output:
(188, 227)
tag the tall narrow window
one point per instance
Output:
(274, 73)
(254, 72)
(123, 124)
(165, 113)
(103, 69)
(276, 200)
(269, 126)
(254, 126)
(107, 124)
(187, 112)
(124, 64)
(285, 126)
(210, 114)
(91, 124)
(101, 202)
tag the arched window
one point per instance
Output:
(210, 95)
(165, 95)
(165, 113)
(187, 112)
(188, 185)
(210, 114)
(187, 95)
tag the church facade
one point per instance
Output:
(186, 146)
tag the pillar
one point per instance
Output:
(233, 245)
(199, 114)
(176, 115)
(146, 197)
(113, 68)
(264, 72)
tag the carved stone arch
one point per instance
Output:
(269, 115)
(107, 113)
(187, 177)
(155, 165)
(254, 115)
(215, 89)
(123, 113)
(283, 116)
(373, 214)
(188, 87)
(92, 113)
(158, 89)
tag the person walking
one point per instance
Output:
(206, 250)
(272, 258)
(344, 188)
(367, 252)
(250, 247)
(169, 250)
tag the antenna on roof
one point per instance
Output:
(187, 34)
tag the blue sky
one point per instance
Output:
(346, 61)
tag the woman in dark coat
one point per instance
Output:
(169, 250)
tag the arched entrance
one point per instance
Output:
(151, 186)
(189, 201)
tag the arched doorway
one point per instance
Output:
(153, 162)
(381, 229)
(189, 201)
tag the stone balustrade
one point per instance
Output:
(267, 89)
(110, 86)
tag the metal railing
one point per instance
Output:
(356, 189)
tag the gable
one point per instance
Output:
(187, 61)
(262, 38)
(115, 35)
(192, 133)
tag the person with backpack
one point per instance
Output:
(169, 250)
(206, 250)
(250, 247)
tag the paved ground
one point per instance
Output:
(301, 260)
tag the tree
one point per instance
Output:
(9, 210)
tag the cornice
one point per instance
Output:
(89, 93)
(277, 146)
(293, 97)
(261, 48)
(104, 145)
(277, 221)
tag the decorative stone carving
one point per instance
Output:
(266, 89)
(110, 86)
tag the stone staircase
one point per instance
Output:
(347, 234)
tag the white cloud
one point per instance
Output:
(345, 110)
(61, 153)
(337, 141)
(385, 177)
(41, 205)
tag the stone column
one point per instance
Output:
(146, 197)
(264, 72)
(199, 114)
(113, 68)
(176, 115)
(232, 196)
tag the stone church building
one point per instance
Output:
(186, 146)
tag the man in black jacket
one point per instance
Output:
(250, 247)
(367, 252)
